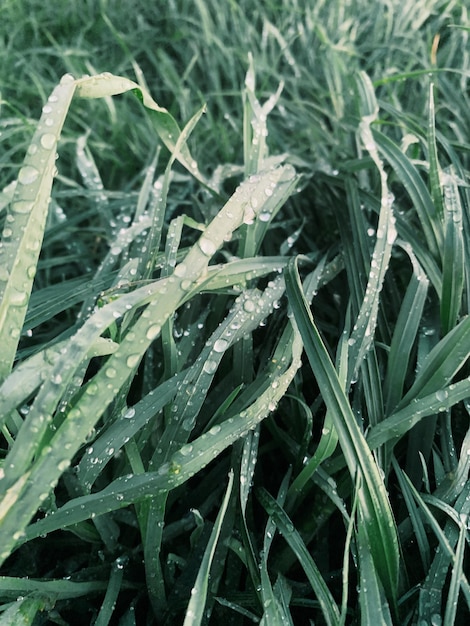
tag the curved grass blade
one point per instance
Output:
(400, 422)
(417, 190)
(456, 576)
(107, 84)
(434, 169)
(112, 593)
(275, 613)
(24, 611)
(291, 535)
(196, 606)
(25, 222)
(364, 327)
(453, 262)
(374, 607)
(442, 363)
(60, 589)
(374, 503)
(404, 335)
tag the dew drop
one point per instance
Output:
(209, 367)
(207, 246)
(48, 141)
(91, 389)
(186, 450)
(18, 298)
(180, 270)
(133, 360)
(66, 79)
(27, 175)
(110, 372)
(153, 331)
(220, 345)
(129, 414)
(264, 216)
(22, 206)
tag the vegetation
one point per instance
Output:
(234, 330)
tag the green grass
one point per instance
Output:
(234, 330)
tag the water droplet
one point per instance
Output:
(249, 215)
(264, 216)
(66, 79)
(133, 360)
(18, 298)
(129, 414)
(110, 372)
(27, 175)
(215, 430)
(207, 246)
(180, 270)
(32, 149)
(249, 306)
(22, 206)
(209, 367)
(48, 141)
(153, 331)
(91, 389)
(220, 345)
(186, 450)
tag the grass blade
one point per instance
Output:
(195, 610)
(374, 504)
(286, 528)
(453, 262)
(26, 219)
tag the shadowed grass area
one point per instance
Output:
(234, 328)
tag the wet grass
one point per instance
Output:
(234, 327)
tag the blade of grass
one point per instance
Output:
(24, 229)
(374, 503)
(453, 262)
(414, 185)
(291, 535)
(195, 611)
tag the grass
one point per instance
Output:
(234, 377)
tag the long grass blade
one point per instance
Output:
(374, 503)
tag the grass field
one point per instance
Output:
(234, 297)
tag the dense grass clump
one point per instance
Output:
(234, 330)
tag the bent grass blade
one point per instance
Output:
(373, 500)
(107, 84)
(25, 222)
(364, 327)
(195, 611)
(291, 535)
